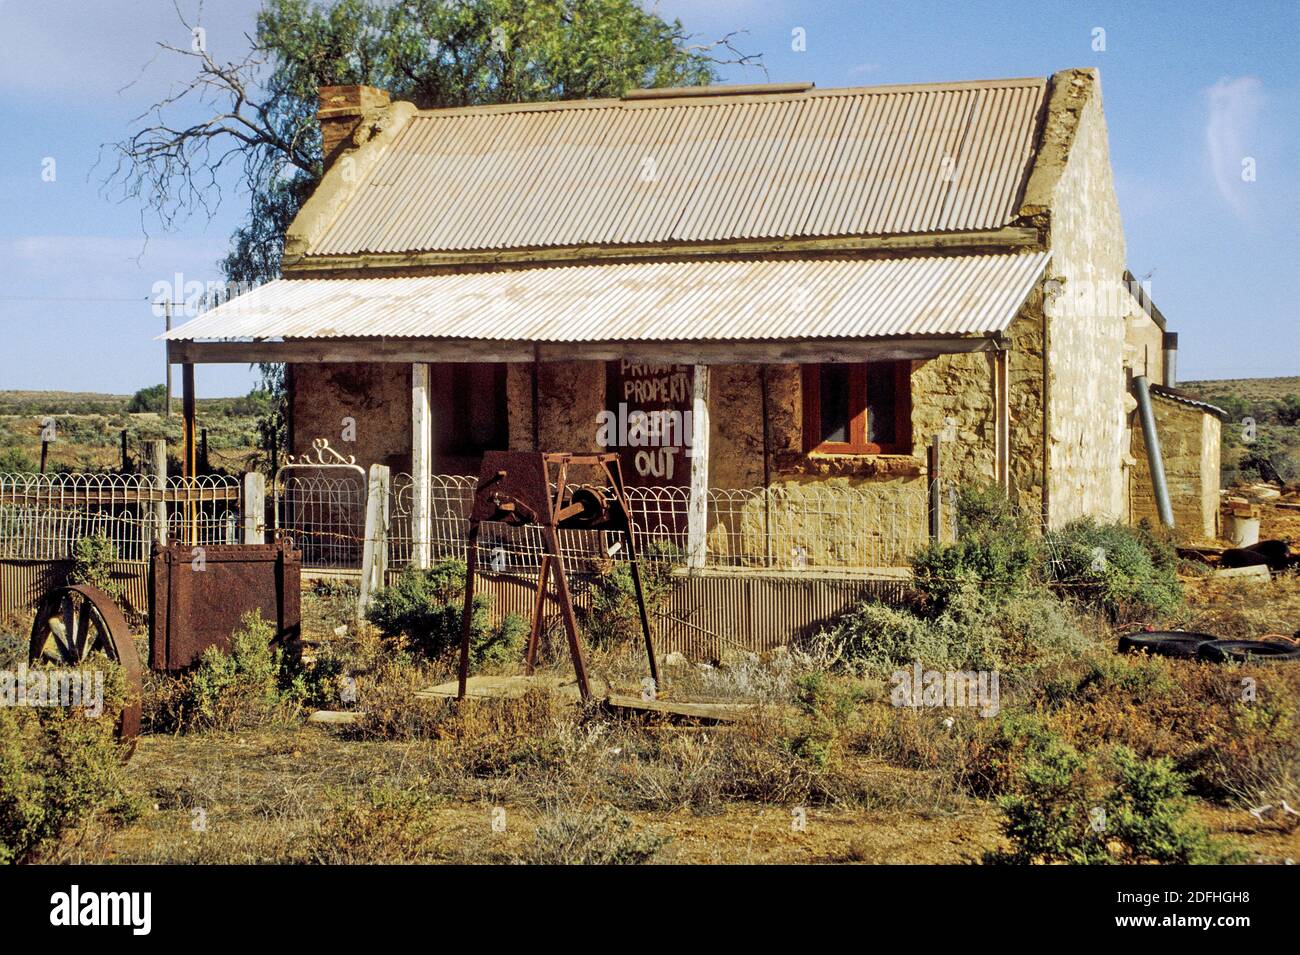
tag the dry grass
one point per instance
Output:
(419, 781)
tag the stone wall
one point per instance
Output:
(1143, 344)
(1189, 448)
(951, 393)
(1086, 327)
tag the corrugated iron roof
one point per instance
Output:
(832, 162)
(712, 300)
(1183, 398)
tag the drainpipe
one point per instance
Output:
(1152, 439)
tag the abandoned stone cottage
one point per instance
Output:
(782, 287)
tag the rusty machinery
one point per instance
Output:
(194, 604)
(522, 488)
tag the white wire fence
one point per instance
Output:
(322, 513)
(42, 516)
(791, 527)
(788, 527)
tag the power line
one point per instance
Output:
(67, 298)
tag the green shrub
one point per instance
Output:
(613, 617)
(424, 608)
(995, 553)
(975, 631)
(16, 461)
(92, 563)
(59, 771)
(1119, 570)
(153, 398)
(826, 709)
(251, 685)
(1077, 809)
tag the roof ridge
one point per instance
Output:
(727, 94)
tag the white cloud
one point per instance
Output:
(1234, 106)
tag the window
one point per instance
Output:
(863, 408)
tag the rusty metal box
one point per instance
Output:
(198, 595)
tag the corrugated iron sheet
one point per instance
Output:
(706, 617)
(867, 161)
(24, 582)
(645, 301)
(1183, 398)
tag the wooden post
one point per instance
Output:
(697, 514)
(126, 464)
(254, 508)
(45, 451)
(936, 495)
(189, 463)
(167, 327)
(374, 553)
(421, 465)
(160, 483)
(1001, 419)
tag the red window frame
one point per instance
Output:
(901, 376)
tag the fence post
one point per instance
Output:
(254, 507)
(374, 554)
(936, 497)
(697, 513)
(160, 481)
(421, 464)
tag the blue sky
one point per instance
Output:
(1190, 89)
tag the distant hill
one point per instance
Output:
(1274, 406)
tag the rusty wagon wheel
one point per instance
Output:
(75, 621)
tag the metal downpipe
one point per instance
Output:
(1154, 460)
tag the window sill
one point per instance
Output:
(826, 464)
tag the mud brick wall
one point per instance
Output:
(376, 395)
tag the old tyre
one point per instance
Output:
(1165, 643)
(1242, 651)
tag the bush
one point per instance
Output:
(613, 617)
(576, 836)
(974, 632)
(424, 608)
(92, 563)
(1122, 571)
(995, 553)
(153, 398)
(15, 461)
(249, 686)
(59, 771)
(386, 825)
(1119, 808)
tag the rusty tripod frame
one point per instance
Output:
(514, 487)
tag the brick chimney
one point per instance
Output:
(343, 109)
